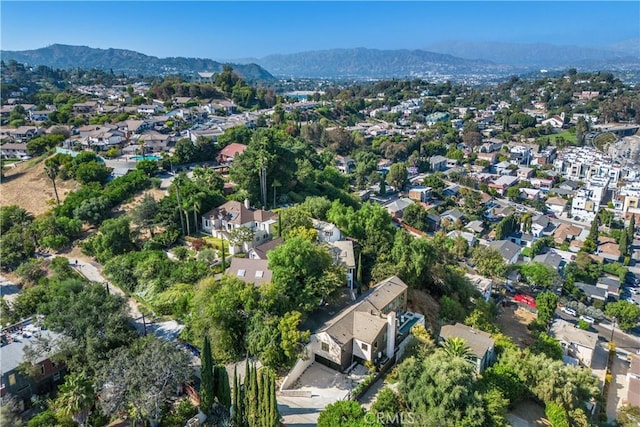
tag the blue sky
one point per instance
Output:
(225, 30)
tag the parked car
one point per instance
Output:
(569, 311)
(633, 290)
(590, 320)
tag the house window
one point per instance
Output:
(42, 368)
(375, 345)
(325, 346)
(12, 379)
(364, 347)
(56, 376)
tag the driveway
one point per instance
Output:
(324, 386)
(619, 386)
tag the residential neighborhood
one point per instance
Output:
(204, 249)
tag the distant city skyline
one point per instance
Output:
(232, 30)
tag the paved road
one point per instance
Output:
(623, 340)
(168, 330)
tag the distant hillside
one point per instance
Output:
(542, 55)
(126, 61)
(370, 63)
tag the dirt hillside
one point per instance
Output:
(27, 186)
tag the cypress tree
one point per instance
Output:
(279, 225)
(207, 385)
(254, 399)
(359, 271)
(274, 415)
(632, 228)
(224, 256)
(223, 391)
(264, 401)
(624, 245)
(236, 409)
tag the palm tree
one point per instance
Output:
(76, 398)
(196, 203)
(52, 169)
(457, 347)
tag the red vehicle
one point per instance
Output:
(526, 299)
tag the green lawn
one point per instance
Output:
(569, 137)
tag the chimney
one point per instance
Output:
(391, 333)
(246, 204)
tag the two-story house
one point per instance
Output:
(366, 331)
(221, 221)
(47, 373)
(480, 343)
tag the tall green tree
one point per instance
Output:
(208, 383)
(142, 379)
(223, 389)
(546, 302)
(397, 176)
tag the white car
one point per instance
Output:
(590, 320)
(569, 311)
(633, 291)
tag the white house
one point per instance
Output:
(221, 221)
(327, 232)
(575, 342)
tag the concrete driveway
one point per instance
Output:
(324, 386)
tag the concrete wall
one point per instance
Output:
(297, 370)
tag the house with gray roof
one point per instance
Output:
(396, 207)
(480, 343)
(508, 250)
(14, 339)
(575, 342)
(552, 259)
(343, 254)
(367, 331)
(249, 270)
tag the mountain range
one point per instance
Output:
(543, 55)
(370, 63)
(126, 61)
(446, 58)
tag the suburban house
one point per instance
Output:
(398, 206)
(503, 183)
(438, 163)
(260, 251)
(12, 150)
(420, 193)
(552, 259)
(154, 142)
(327, 232)
(522, 239)
(539, 224)
(452, 215)
(592, 292)
(475, 226)
(480, 343)
(14, 381)
(342, 253)
(611, 285)
(470, 238)
(230, 152)
(482, 284)
(507, 249)
(566, 232)
(221, 221)
(576, 343)
(248, 270)
(345, 164)
(367, 331)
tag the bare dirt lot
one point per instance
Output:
(28, 186)
(513, 321)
